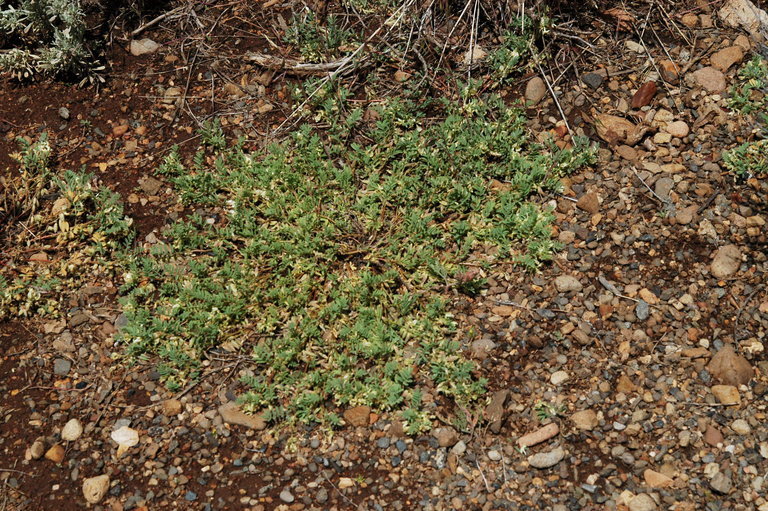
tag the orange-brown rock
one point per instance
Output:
(644, 95)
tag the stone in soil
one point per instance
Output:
(712, 80)
(55, 453)
(585, 420)
(730, 368)
(37, 449)
(358, 416)
(559, 377)
(286, 496)
(171, 407)
(726, 261)
(713, 436)
(567, 283)
(678, 129)
(656, 479)
(547, 459)
(95, 488)
(535, 90)
(143, 47)
(495, 412)
(61, 366)
(642, 502)
(726, 394)
(71, 430)
(593, 80)
(589, 202)
(727, 57)
(540, 435)
(741, 427)
(232, 414)
(445, 436)
(721, 483)
(644, 95)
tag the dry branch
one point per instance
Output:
(295, 66)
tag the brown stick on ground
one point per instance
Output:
(295, 66)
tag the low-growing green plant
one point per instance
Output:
(749, 96)
(329, 254)
(316, 41)
(51, 37)
(546, 411)
(748, 159)
(86, 222)
(750, 93)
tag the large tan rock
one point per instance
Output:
(730, 368)
(540, 435)
(617, 130)
(726, 262)
(232, 414)
(358, 416)
(94, 488)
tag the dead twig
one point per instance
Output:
(296, 67)
(157, 20)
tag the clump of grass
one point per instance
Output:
(333, 253)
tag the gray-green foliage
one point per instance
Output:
(749, 96)
(334, 251)
(51, 36)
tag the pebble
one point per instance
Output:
(656, 479)
(64, 113)
(642, 310)
(358, 416)
(726, 394)
(726, 261)
(445, 436)
(540, 435)
(642, 502)
(593, 80)
(559, 377)
(712, 80)
(567, 283)
(55, 453)
(143, 47)
(727, 57)
(494, 455)
(286, 496)
(71, 430)
(721, 483)
(171, 407)
(678, 129)
(95, 488)
(61, 366)
(585, 420)
(535, 90)
(713, 436)
(459, 449)
(741, 427)
(644, 95)
(547, 459)
(730, 368)
(37, 449)
(232, 414)
(589, 202)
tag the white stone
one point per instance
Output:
(558, 377)
(71, 430)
